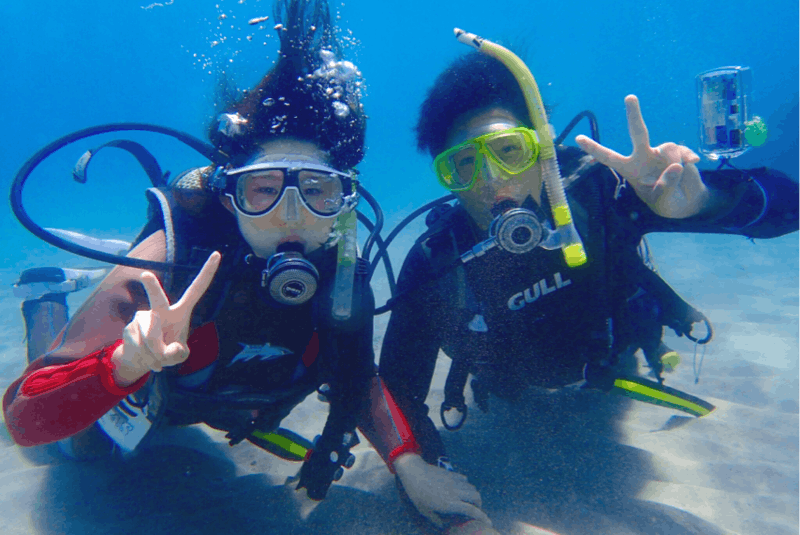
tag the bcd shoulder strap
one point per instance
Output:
(194, 226)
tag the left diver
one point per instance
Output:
(240, 344)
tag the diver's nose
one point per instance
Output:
(291, 205)
(492, 172)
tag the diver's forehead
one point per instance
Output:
(294, 150)
(480, 122)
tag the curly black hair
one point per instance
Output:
(310, 93)
(471, 82)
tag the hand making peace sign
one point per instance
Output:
(157, 337)
(664, 177)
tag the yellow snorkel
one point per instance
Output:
(574, 253)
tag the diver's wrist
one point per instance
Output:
(713, 202)
(405, 460)
(123, 373)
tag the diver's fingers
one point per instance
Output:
(669, 179)
(471, 495)
(435, 519)
(155, 293)
(458, 476)
(472, 527)
(175, 353)
(469, 510)
(144, 343)
(152, 334)
(688, 155)
(201, 283)
(602, 154)
(639, 135)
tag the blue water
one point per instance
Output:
(71, 65)
(66, 68)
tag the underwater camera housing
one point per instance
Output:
(724, 101)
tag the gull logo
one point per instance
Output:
(538, 289)
(265, 352)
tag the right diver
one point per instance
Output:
(516, 288)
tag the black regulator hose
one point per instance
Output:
(203, 148)
(595, 131)
(408, 219)
(378, 227)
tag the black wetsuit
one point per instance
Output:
(529, 319)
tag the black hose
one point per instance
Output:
(405, 222)
(203, 148)
(382, 253)
(376, 208)
(595, 131)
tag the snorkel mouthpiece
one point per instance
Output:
(572, 247)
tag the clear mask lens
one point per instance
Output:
(259, 191)
(323, 192)
(462, 165)
(510, 151)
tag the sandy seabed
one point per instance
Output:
(572, 461)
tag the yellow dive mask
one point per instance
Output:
(513, 150)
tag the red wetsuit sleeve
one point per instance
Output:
(385, 426)
(55, 402)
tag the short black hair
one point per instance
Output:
(310, 94)
(472, 82)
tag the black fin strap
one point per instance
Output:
(142, 155)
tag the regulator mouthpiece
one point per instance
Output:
(517, 231)
(289, 278)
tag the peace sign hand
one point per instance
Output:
(664, 177)
(157, 337)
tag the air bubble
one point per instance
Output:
(341, 109)
(327, 56)
(268, 102)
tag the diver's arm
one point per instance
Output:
(408, 357)
(410, 349)
(69, 388)
(757, 203)
(376, 413)
(385, 426)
